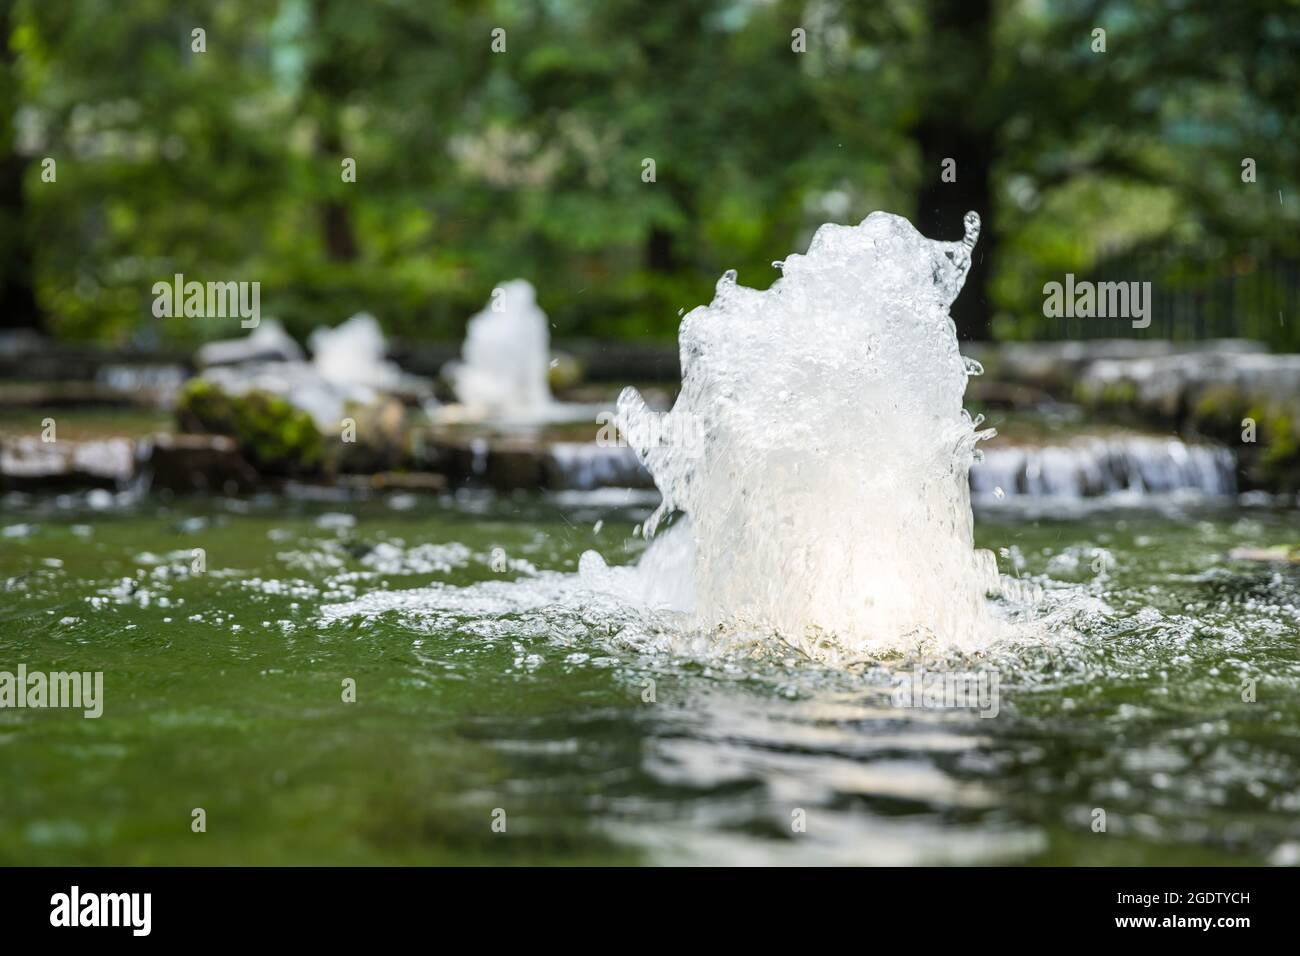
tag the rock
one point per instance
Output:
(376, 439)
(516, 464)
(1055, 365)
(410, 481)
(1005, 394)
(504, 464)
(1172, 383)
(564, 373)
(29, 464)
(1249, 401)
(274, 435)
(197, 463)
(461, 460)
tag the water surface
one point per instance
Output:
(223, 691)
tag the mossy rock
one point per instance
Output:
(1120, 394)
(377, 440)
(1272, 460)
(276, 436)
(1219, 410)
(564, 372)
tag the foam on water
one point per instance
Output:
(820, 453)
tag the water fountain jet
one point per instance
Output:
(826, 497)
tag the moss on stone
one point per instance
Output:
(1120, 394)
(274, 435)
(1219, 410)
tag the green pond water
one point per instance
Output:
(223, 691)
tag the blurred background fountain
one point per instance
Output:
(503, 369)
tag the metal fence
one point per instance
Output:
(1192, 298)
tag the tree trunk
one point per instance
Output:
(328, 88)
(18, 309)
(340, 241)
(659, 254)
(949, 129)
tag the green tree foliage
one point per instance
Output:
(474, 166)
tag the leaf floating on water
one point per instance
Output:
(1281, 553)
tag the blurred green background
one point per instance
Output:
(475, 166)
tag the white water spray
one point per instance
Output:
(505, 356)
(353, 353)
(824, 482)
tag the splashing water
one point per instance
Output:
(505, 354)
(819, 452)
(353, 353)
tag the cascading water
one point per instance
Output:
(819, 451)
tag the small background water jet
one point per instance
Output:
(502, 382)
(355, 353)
(348, 369)
(505, 357)
(824, 482)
